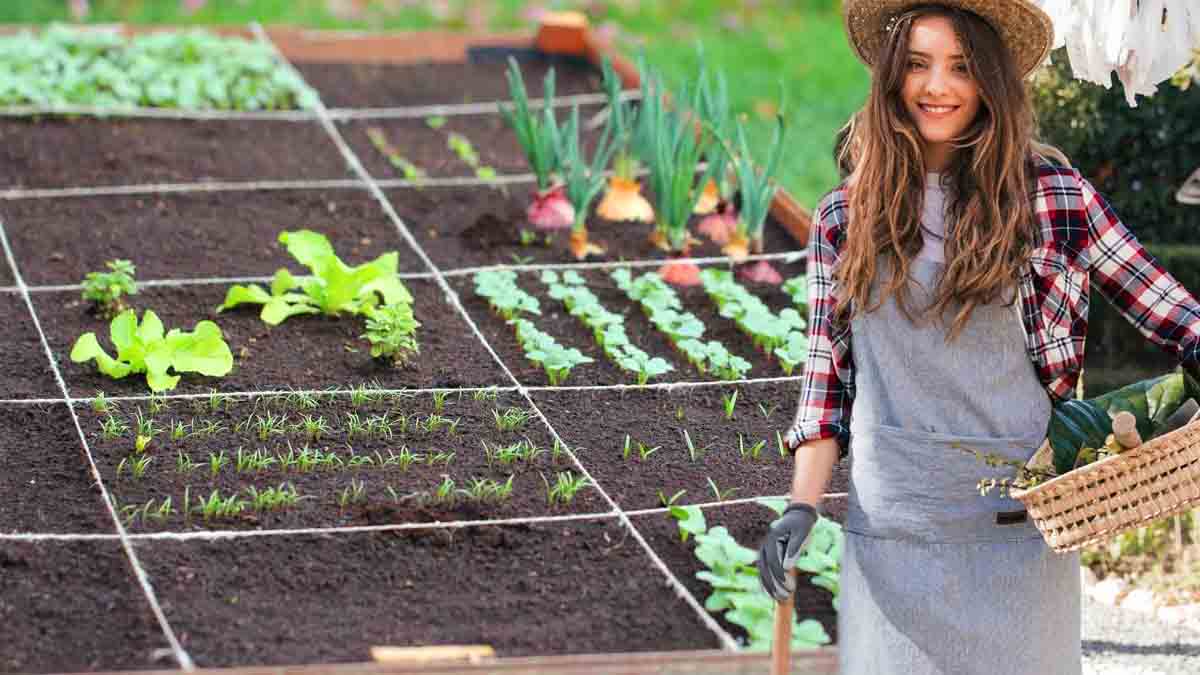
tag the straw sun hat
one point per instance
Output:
(1023, 27)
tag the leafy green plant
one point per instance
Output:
(183, 463)
(500, 289)
(662, 306)
(668, 502)
(195, 69)
(144, 348)
(217, 507)
(782, 335)
(435, 122)
(541, 348)
(736, 591)
(333, 288)
(691, 521)
(101, 404)
(112, 427)
(354, 493)
(105, 289)
(392, 332)
(136, 465)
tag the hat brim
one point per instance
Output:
(1025, 29)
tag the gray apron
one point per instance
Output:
(936, 578)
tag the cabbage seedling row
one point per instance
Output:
(226, 463)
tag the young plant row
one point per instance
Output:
(608, 328)
(448, 493)
(733, 576)
(664, 309)
(781, 335)
(372, 290)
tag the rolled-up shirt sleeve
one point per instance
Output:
(826, 394)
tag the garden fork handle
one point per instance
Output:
(781, 645)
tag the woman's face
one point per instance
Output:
(939, 93)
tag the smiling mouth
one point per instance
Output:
(937, 109)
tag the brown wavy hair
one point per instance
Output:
(989, 219)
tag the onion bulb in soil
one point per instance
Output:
(624, 201)
(708, 199)
(680, 273)
(581, 248)
(720, 226)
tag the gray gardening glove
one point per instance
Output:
(782, 548)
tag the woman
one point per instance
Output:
(956, 260)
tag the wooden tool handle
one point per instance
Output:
(781, 646)
(1124, 426)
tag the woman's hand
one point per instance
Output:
(783, 546)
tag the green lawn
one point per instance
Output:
(798, 43)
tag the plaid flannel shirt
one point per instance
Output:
(1079, 239)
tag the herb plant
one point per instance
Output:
(392, 332)
(144, 348)
(500, 289)
(333, 288)
(105, 289)
(541, 348)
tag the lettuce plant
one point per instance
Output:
(333, 288)
(144, 348)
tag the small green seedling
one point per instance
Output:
(355, 493)
(435, 122)
(183, 463)
(718, 493)
(488, 394)
(112, 427)
(439, 400)
(158, 403)
(565, 487)
(216, 507)
(379, 140)
(669, 501)
(729, 402)
(753, 451)
(106, 289)
(216, 463)
(273, 498)
(314, 427)
(693, 452)
(100, 404)
(179, 431)
(511, 419)
(135, 465)
(767, 412)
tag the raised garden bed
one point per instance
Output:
(356, 547)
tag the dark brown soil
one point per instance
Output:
(748, 524)
(427, 148)
(44, 476)
(27, 370)
(6, 276)
(374, 85)
(470, 227)
(571, 332)
(321, 488)
(572, 587)
(68, 607)
(595, 424)
(312, 351)
(58, 152)
(198, 235)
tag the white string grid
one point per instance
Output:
(398, 112)
(181, 656)
(212, 535)
(374, 186)
(681, 591)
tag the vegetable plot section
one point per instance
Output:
(631, 327)
(332, 301)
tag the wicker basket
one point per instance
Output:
(1099, 501)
